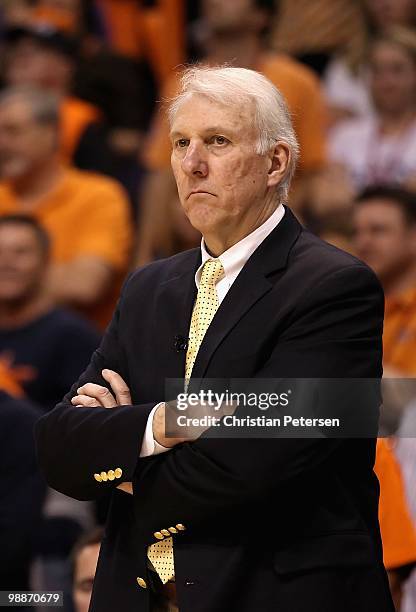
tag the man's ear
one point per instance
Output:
(279, 163)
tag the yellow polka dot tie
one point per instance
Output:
(206, 306)
(160, 553)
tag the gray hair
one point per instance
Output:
(231, 86)
(43, 105)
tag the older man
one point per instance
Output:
(241, 524)
(86, 215)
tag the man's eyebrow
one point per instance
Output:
(216, 129)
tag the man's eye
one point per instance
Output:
(220, 140)
(181, 143)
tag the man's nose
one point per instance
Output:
(194, 162)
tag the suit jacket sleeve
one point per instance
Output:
(74, 443)
(336, 332)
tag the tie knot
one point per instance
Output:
(211, 272)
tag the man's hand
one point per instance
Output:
(91, 395)
(188, 433)
(159, 429)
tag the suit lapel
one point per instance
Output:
(173, 309)
(251, 285)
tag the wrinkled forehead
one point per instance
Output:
(197, 112)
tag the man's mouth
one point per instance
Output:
(196, 191)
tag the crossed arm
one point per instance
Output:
(91, 395)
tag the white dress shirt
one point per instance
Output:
(233, 260)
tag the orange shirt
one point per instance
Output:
(399, 337)
(157, 33)
(75, 116)
(397, 530)
(303, 94)
(85, 214)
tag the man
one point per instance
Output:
(228, 524)
(39, 341)
(385, 238)
(86, 215)
(43, 57)
(36, 338)
(84, 565)
(233, 35)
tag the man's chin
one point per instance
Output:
(204, 226)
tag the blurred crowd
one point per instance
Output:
(87, 194)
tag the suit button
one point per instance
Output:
(158, 535)
(180, 527)
(111, 475)
(173, 530)
(118, 472)
(98, 477)
(104, 476)
(141, 582)
(165, 532)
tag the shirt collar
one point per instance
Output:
(235, 258)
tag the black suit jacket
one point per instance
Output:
(289, 524)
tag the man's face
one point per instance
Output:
(383, 238)
(24, 143)
(85, 568)
(393, 78)
(231, 16)
(22, 263)
(222, 182)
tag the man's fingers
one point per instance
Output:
(119, 387)
(85, 401)
(99, 393)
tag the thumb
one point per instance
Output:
(119, 387)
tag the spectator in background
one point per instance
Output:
(385, 238)
(86, 215)
(234, 34)
(47, 345)
(346, 78)
(84, 559)
(22, 491)
(382, 149)
(124, 89)
(39, 56)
